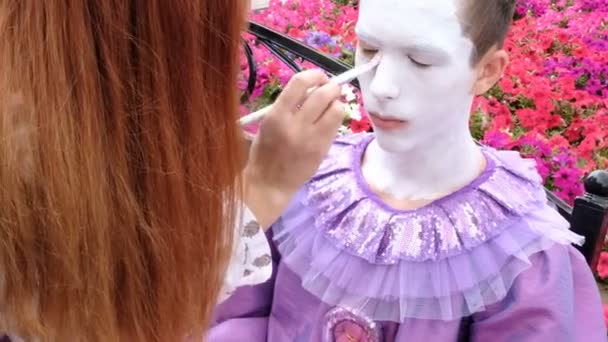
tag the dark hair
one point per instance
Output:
(487, 23)
(120, 157)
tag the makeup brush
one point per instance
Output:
(340, 79)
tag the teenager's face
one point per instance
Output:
(423, 87)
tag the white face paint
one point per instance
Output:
(423, 89)
(425, 77)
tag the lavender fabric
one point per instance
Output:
(346, 264)
(555, 300)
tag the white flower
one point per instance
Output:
(353, 111)
(348, 93)
(344, 130)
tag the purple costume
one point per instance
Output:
(350, 268)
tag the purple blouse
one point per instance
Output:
(349, 268)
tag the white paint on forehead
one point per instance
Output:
(390, 21)
(445, 7)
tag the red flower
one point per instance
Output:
(543, 103)
(559, 141)
(507, 85)
(358, 126)
(528, 118)
(602, 265)
(296, 33)
(554, 121)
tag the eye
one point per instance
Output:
(368, 50)
(418, 64)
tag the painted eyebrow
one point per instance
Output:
(427, 50)
(366, 38)
(436, 54)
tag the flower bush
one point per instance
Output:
(551, 105)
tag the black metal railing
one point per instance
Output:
(285, 49)
(588, 217)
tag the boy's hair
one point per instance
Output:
(487, 23)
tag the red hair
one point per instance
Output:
(119, 163)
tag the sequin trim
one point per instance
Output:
(358, 224)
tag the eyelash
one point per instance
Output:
(369, 51)
(415, 62)
(418, 64)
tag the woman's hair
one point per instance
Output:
(119, 163)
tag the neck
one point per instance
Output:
(425, 172)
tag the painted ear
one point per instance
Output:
(490, 70)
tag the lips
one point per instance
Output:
(386, 123)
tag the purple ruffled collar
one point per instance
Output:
(446, 260)
(358, 221)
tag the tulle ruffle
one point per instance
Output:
(446, 261)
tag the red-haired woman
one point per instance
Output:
(122, 172)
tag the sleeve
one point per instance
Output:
(244, 315)
(556, 299)
(251, 261)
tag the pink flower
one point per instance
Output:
(496, 139)
(564, 177)
(543, 170)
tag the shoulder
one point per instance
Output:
(558, 262)
(554, 299)
(515, 164)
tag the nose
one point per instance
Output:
(383, 85)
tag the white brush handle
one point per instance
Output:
(254, 117)
(351, 74)
(258, 115)
(341, 79)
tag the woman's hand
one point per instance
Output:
(293, 139)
